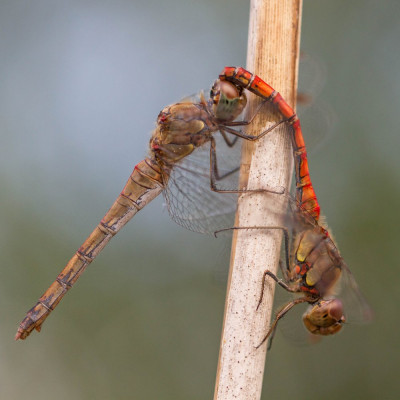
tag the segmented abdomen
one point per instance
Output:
(144, 184)
(305, 194)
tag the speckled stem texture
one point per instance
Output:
(273, 52)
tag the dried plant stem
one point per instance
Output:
(273, 51)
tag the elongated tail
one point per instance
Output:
(144, 184)
(305, 194)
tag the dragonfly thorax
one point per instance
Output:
(318, 265)
(180, 129)
(227, 101)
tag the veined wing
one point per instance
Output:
(190, 200)
(317, 117)
(356, 308)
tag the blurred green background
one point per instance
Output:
(81, 85)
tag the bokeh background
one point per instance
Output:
(81, 83)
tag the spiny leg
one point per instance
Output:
(249, 121)
(215, 176)
(228, 142)
(281, 313)
(305, 193)
(231, 143)
(280, 282)
(253, 138)
(242, 123)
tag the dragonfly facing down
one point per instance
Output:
(182, 129)
(313, 268)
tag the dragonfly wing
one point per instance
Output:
(318, 121)
(296, 218)
(190, 200)
(312, 78)
(356, 308)
(317, 117)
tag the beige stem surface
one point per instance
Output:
(273, 52)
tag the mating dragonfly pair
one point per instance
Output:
(312, 266)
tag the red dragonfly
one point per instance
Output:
(182, 131)
(314, 267)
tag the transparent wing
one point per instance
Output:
(291, 327)
(190, 200)
(317, 117)
(356, 308)
(312, 79)
(318, 121)
(193, 98)
(296, 218)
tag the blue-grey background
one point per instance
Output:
(81, 83)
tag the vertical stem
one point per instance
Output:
(273, 51)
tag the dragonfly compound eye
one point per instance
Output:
(228, 100)
(324, 318)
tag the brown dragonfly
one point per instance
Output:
(183, 130)
(313, 269)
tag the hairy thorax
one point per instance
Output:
(317, 263)
(180, 129)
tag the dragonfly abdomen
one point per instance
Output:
(305, 193)
(144, 184)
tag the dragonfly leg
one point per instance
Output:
(280, 282)
(214, 172)
(242, 78)
(280, 314)
(216, 176)
(250, 120)
(228, 142)
(253, 138)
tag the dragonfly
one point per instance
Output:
(182, 130)
(313, 267)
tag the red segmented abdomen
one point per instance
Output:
(247, 80)
(305, 193)
(144, 184)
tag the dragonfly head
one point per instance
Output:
(325, 317)
(227, 100)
